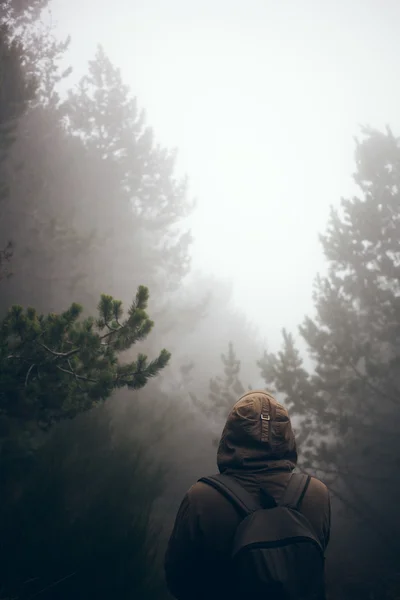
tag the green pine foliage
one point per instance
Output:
(56, 366)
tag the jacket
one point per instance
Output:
(258, 453)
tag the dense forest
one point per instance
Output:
(118, 364)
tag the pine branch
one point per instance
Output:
(60, 354)
(372, 386)
(81, 377)
(28, 373)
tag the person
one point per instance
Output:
(259, 454)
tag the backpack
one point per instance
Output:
(275, 554)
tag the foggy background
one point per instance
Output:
(262, 100)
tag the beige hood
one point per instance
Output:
(257, 436)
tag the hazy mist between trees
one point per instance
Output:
(115, 384)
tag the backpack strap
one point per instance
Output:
(234, 492)
(295, 490)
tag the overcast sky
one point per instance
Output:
(262, 98)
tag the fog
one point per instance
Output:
(276, 111)
(262, 100)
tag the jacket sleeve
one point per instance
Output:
(183, 558)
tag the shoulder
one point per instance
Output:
(206, 501)
(318, 489)
(202, 493)
(316, 501)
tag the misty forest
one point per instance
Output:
(119, 363)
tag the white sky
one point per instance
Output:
(262, 98)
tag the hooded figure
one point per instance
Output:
(260, 454)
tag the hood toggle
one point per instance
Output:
(265, 417)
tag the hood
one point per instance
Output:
(257, 436)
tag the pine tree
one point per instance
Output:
(17, 90)
(224, 391)
(82, 212)
(52, 369)
(17, 13)
(149, 203)
(351, 399)
(285, 370)
(56, 366)
(35, 174)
